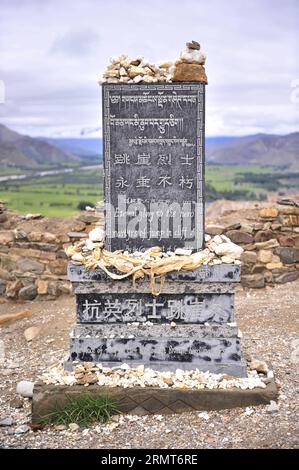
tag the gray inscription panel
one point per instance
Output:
(181, 308)
(153, 165)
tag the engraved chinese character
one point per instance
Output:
(143, 182)
(195, 306)
(164, 160)
(91, 310)
(121, 159)
(154, 306)
(121, 183)
(134, 309)
(143, 159)
(177, 310)
(186, 160)
(165, 180)
(186, 182)
(112, 308)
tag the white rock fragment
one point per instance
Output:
(217, 239)
(22, 429)
(229, 249)
(227, 259)
(182, 252)
(89, 244)
(270, 374)
(96, 235)
(137, 79)
(272, 407)
(74, 427)
(204, 415)
(259, 366)
(192, 56)
(78, 257)
(32, 332)
(25, 388)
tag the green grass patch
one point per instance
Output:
(84, 410)
(60, 195)
(53, 196)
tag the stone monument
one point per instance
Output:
(153, 150)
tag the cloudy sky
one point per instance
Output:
(53, 51)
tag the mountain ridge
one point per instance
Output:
(262, 149)
(17, 150)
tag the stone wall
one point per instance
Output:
(33, 263)
(270, 238)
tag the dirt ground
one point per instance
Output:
(269, 321)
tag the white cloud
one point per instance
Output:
(52, 52)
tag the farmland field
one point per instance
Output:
(59, 195)
(54, 196)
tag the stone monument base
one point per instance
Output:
(190, 325)
(214, 348)
(152, 400)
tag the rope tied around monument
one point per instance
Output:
(153, 263)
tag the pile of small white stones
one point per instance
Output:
(218, 249)
(124, 70)
(124, 376)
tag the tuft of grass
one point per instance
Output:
(83, 410)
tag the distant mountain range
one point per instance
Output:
(258, 149)
(22, 151)
(83, 147)
(263, 149)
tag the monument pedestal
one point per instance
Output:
(151, 400)
(189, 325)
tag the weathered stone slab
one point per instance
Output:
(155, 331)
(213, 348)
(151, 400)
(169, 287)
(217, 273)
(181, 308)
(153, 165)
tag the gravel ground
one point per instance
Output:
(269, 321)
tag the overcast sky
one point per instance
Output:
(53, 51)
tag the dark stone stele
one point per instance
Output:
(180, 308)
(154, 165)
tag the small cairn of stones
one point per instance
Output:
(124, 376)
(189, 67)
